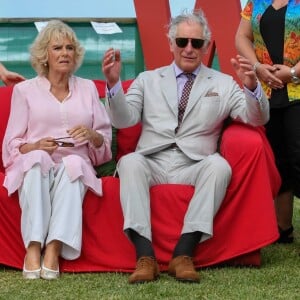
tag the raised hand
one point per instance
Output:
(244, 71)
(111, 66)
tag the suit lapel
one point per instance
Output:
(168, 80)
(200, 87)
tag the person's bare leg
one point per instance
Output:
(33, 256)
(52, 252)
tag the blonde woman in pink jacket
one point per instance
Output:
(57, 131)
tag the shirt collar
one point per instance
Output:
(178, 71)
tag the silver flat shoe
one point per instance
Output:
(31, 274)
(49, 274)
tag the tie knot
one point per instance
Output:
(190, 76)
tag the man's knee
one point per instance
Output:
(220, 167)
(132, 162)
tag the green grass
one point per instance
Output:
(277, 278)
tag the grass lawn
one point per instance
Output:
(277, 278)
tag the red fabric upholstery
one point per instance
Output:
(5, 96)
(244, 224)
(127, 139)
(100, 85)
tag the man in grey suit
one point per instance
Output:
(178, 143)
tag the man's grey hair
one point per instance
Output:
(195, 16)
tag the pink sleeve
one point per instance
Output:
(16, 128)
(102, 124)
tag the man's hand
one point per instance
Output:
(245, 72)
(111, 66)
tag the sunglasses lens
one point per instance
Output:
(196, 43)
(181, 42)
(64, 144)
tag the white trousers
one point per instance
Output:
(210, 177)
(51, 208)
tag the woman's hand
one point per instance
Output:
(47, 144)
(283, 72)
(271, 75)
(8, 77)
(82, 133)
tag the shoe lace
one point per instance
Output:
(187, 261)
(144, 262)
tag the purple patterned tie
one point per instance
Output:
(185, 97)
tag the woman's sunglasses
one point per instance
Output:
(196, 43)
(64, 144)
(60, 143)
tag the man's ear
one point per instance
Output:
(171, 44)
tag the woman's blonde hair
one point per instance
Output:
(57, 30)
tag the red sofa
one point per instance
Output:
(244, 224)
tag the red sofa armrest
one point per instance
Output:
(5, 100)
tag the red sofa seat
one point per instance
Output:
(245, 223)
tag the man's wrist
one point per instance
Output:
(113, 90)
(256, 92)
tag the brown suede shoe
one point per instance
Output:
(182, 268)
(146, 270)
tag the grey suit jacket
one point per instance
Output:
(152, 99)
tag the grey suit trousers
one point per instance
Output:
(210, 177)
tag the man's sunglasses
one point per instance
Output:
(196, 43)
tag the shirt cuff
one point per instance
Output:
(114, 90)
(257, 93)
